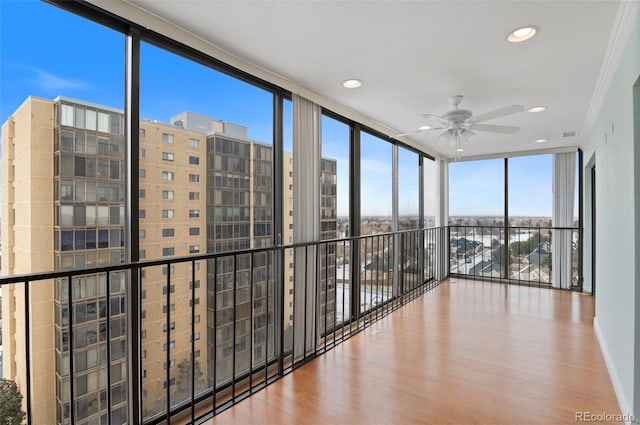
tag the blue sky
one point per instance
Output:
(66, 55)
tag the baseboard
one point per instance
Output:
(623, 403)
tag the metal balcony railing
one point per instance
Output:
(214, 328)
(522, 255)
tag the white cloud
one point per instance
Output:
(53, 83)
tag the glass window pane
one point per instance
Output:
(430, 192)
(376, 176)
(476, 214)
(530, 190)
(334, 216)
(408, 189)
(206, 155)
(65, 71)
(376, 260)
(476, 192)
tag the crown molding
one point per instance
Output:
(628, 12)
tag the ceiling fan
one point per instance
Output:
(459, 123)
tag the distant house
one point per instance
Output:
(540, 253)
(463, 247)
(378, 264)
(486, 269)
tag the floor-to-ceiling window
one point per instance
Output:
(376, 220)
(530, 201)
(537, 207)
(63, 132)
(476, 214)
(206, 186)
(334, 214)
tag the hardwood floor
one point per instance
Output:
(465, 353)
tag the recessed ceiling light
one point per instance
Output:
(460, 150)
(541, 140)
(522, 34)
(352, 84)
(424, 127)
(537, 109)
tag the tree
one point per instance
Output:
(10, 403)
(183, 390)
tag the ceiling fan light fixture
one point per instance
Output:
(522, 34)
(424, 127)
(537, 109)
(352, 83)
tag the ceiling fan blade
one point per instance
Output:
(503, 129)
(507, 110)
(419, 131)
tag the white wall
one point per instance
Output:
(618, 228)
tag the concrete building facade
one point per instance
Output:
(204, 187)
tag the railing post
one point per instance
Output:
(399, 265)
(506, 218)
(280, 297)
(27, 326)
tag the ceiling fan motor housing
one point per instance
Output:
(458, 115)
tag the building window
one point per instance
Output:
(168, 251)
(167, 213)
(167, 175)
(167, 233)
(194, 160)
(142, 193)
(194, 143)
(195, 283)
(194, 178)
(142, 173)
(142, 254)
(142, 213)
(194, 249)
(167, 156)
(172, 325)
(194, 196)
(142, 153)
(167, 194)
(141, 134)
(167, 138)
(172, 308)
(103, 122)
(141, 234)
(194, 231)
(170, 270)
(66, 115)
(194, 213)
(172, 381)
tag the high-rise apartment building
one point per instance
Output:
(63, 196)
(204, 187)
(172, 196)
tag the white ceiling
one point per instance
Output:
(412, 56)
